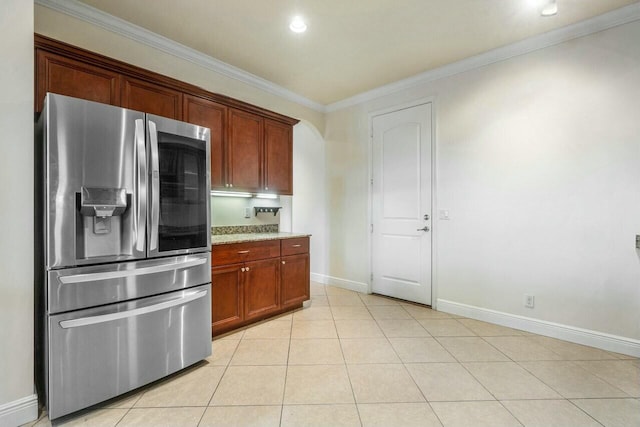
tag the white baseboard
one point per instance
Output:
(351, 285)
(573, 334)
(19, 411)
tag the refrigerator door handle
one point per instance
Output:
(105, 275)
(155, 186)
(141, 204)
(102, 318)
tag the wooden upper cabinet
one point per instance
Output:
(278, 157)
(151, 98)
(244, 151)
(66, 76)
(251, 148)
(202, 112)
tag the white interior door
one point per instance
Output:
(401, 204)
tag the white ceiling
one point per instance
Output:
(351, 46)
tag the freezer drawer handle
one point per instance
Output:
(94, 277)
(84, 321)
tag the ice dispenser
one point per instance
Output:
(103, 202)
(102, 218)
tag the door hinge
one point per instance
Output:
(372, 228)
(372, 181)
(372, 277)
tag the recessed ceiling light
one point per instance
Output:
(297, 25)
(550, 9)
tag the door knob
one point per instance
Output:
(425, 228)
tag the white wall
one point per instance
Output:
(308, 210)
(538, 161)
(17, 403)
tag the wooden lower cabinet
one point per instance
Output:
(261, 288)
(294, 277)
(259, 282)
(226, 297)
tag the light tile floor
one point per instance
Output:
(364, 360)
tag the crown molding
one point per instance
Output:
(599, 23)
(121, 27)
(134, 32)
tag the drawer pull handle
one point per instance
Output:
(295, 246)
(243, 252)
(102, 318)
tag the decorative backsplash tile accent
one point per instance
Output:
(244, 229)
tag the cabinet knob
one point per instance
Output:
(266, 188)
(246, 269)
(283, 262)
(230, 185)
(242, 269)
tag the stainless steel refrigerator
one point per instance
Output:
(123, 289)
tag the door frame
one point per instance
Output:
(434, 196)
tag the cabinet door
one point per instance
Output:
(278, 156)
(244, 151)
(226, 297)
(294, 279)
(58, 74)
(261, 287)
(202, 112)
(151, 98)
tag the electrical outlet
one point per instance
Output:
(247, 212)
(529, 301)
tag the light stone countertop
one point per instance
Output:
(221, 239)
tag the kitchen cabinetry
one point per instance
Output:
(213, 115)
(259, 155)
(261, 288)
(251, 148)
(278, 158)
(226, 297)
(151, 98)
(255, 280)
(244, 155)
(67, 76)
(294, 271)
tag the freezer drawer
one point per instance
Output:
(84, 287)
(99, 353)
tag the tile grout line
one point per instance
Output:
(286, 373)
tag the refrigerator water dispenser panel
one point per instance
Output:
(103, 202)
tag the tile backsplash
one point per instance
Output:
(243, 229)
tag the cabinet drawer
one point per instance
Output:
(234, 253)
(295, 246)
